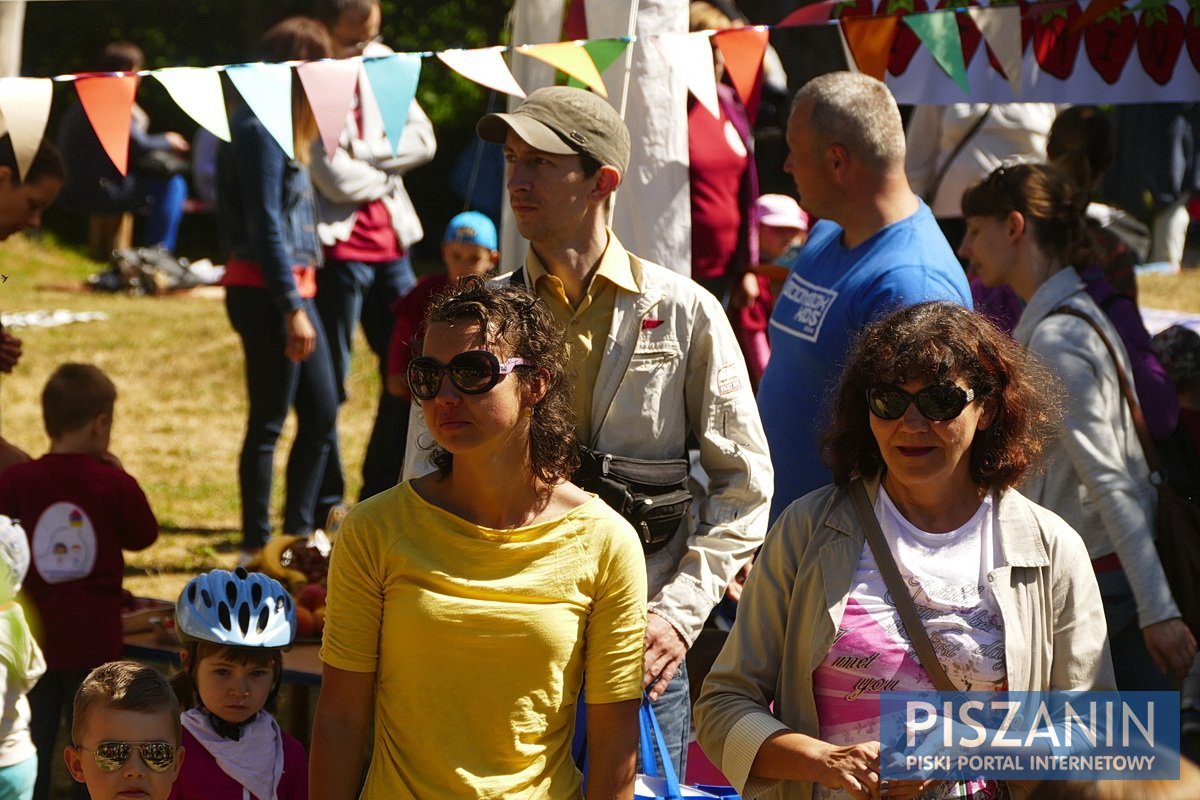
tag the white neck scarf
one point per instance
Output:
(255, 761)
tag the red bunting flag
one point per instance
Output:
(107, 101)
(743, 50)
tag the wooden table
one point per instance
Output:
(301, 672)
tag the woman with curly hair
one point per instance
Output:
(469, 606)
(1026, 230)
(937, 417)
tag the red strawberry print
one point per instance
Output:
(1054, 47)
(1108, 42)
(906, 43)
(853, 8)
(1191, 32)
(1159, 39)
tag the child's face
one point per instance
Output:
(234, 692)
(464, 259)
(774, 240)
(133, 780)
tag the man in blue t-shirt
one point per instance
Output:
(876, 248)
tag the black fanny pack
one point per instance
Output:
(652, 495)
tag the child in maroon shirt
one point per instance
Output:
(80, 509)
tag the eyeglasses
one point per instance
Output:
(472, 372)
(939, 403)
(111, 756)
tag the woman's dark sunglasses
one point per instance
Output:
(111, 756)
(472, 372)
(940, 402)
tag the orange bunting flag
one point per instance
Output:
(870, 41)
(108, 103)
(743, 50)
(329, 86)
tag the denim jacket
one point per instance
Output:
(266, 211)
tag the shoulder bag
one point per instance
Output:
(1177, 522)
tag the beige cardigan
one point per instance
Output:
(1054, 631)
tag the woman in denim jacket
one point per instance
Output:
(267, 218)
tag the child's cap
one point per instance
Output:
(781, 211)
(471, 227)
(238, 609)
(14, 557)
(1178, 348)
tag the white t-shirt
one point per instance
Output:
(946, 574)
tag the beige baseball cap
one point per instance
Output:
(564, 120)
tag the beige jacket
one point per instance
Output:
(1054, 631)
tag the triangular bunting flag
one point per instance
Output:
(25, 105)
(938, 31)
(572, 59)
(1095, 10)
(870, 40)
(267, 89)
(603, 52)
(485, 66)
(691, 56)
(197, 90)
(108, 102)
(393, 80)
(329, 86)
(813, 14)
(743, 50)
(1001, 29)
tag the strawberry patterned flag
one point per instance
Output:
(1001, 29)
(1095, 10)
(25, 105)
(485, 66)
(329, 85)
(870, 41)
(393, 79)
(743, 50)
(197, 90)
(938, 31)
(267, 90)
(603, 52)
(691, 56)
(108, 103)
(570, 57)
(1160, 36)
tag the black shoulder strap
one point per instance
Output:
(517, 278)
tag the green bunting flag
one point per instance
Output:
(939, 32)
(603, 52)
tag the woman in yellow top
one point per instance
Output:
(468, 607)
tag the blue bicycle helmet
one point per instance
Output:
(238, 609)
(14, 557)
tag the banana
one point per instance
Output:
(270, 557)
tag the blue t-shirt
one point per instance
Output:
(831, 294)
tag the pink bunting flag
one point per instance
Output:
(107, 101)
(329, 86)
(813, 14)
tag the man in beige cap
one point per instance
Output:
(655, 359)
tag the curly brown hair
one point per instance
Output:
(937, 342)
(516, 320)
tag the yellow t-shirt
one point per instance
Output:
(480, 640)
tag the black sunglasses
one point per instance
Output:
(111, 756)
(940, 402)
(472, 372)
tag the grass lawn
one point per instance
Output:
(181, 406)
(181, 403)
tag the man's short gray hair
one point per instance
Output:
(857, 112)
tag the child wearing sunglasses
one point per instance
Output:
(125, 733)
(234, 626)
(21, 664)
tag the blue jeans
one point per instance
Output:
(673, 710)
(166, 210)
(50, 701)
(350, 293)
(276, 385)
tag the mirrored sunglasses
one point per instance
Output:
(939, 403)
(111, 756)
(472, 372)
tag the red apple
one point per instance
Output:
(312, 596)
(305, 624)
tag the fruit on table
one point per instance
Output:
(293, 561)
(305, 625)
(311, 596)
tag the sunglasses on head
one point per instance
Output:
(940, 402)
(472, 372)
(111, 756)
